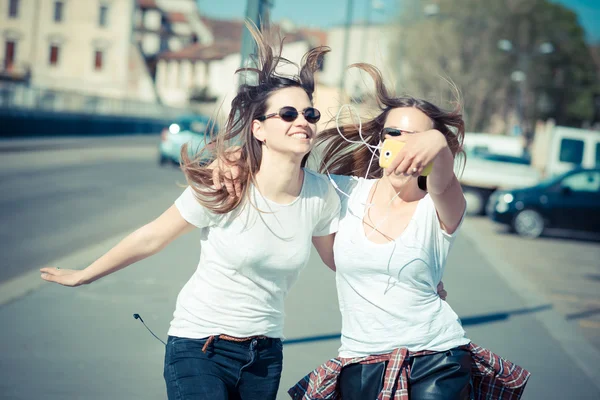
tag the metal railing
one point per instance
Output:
(17, 96)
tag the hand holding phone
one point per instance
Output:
(390, 150)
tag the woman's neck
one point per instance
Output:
(279, 178)
(405, 192)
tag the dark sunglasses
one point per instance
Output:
(394, 132)
(289, 114)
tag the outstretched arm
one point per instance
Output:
(144, 242)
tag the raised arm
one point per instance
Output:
(431, 147)
(445, 191)
(144, 242)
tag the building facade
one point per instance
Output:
(69, 45)
(205, 72)
(366, 43)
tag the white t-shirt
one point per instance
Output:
(388, 292)
(249, 260)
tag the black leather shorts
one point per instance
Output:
(441, 376)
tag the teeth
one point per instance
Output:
(300, 135)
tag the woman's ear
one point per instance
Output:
(258, 131)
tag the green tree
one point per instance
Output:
(459, 40)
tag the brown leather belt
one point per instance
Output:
(231, 339)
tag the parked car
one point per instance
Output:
(567, 201)
(192, 129)
(486, 173)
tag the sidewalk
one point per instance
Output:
(509, 322)
(62, 343)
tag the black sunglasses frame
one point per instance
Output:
(293, 115)
(393, 132)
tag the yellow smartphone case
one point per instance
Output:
(389, 151)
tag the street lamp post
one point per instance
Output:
(349, 9)
(372, 5)
(520, 75)
(257, 11)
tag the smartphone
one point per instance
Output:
(389, 151)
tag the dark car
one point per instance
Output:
(567, 201)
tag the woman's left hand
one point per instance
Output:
(420, 150)
(440, 291)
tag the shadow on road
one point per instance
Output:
(467, 321)
(487, 318)
(584, 314)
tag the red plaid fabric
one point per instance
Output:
(494, 378)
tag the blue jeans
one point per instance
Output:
(248, 370)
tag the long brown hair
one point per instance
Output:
(249, 103)
(342, 158)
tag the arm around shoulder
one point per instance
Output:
(324, 246)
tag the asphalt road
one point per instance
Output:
(66, 205)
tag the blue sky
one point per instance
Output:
(326, 13)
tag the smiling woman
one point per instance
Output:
(261, 117)
(225, 336)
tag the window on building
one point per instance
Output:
(9, 54)
(13, 9)
(571, 151)
(103, 16)
(98, 60)
(54, 54)
(58, 11)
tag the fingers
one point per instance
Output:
(238, 188)
(48, 277)
(441, 292)
(235, 173)
(50, 270)
(415, 170)
(216, 178)
(404, 166)
(65, 277)
(229, 184)
(48, 273)
(232, 183)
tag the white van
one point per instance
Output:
(483, 143)
(571, 148)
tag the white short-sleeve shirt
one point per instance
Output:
(388, 292)
(249, 259)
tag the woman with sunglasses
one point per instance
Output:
(225, 337)
(397, 226)
(399, 339)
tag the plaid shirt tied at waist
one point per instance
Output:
(493, 377)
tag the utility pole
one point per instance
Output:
(257, 11)
(349, 8)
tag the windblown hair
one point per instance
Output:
(249, 104)
(343, 158)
